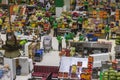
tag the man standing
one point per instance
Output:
(59, 38)
(86, 5)
(55, 26)
(80, 20)
(107, 30)
(51, 19)
(81, 37)
(66, 39)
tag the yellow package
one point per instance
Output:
(74, 68)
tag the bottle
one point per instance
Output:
(1, 42)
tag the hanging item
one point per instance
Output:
(15, 8)
(101, 14)
(11, 9)
(117, 15)
(94, 13)
(22, 10)
(104, 14)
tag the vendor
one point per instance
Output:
(51, 19)
(86, 5)
(59, 38)
(55, 26)
(107, 30)
(80, 21)
(81, 37)
(66, 39)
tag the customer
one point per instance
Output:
(59, 38)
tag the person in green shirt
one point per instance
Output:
(71, 35)
(55, 26)
(80, 21)
(66, 36)
(107, 30)
(59, 38)
(86, 5)
(81, 37)
(51, 19)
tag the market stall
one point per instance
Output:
(18, 66)
(71, 68)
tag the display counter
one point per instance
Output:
(70, 68)
(81, 45)
(99, 58)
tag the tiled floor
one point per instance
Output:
(52, 58)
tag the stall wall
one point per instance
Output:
(24, 66)
(30, 64)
